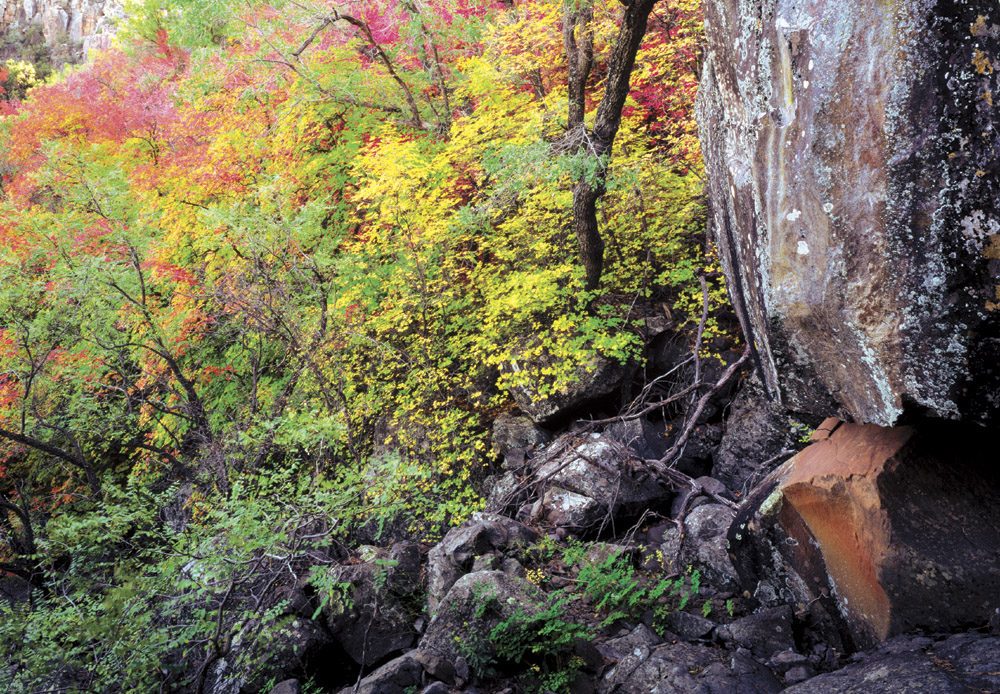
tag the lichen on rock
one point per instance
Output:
(853, 168)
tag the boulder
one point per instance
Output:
(702, 545)
(14, 590)
(890, 530)
(699, 451)
(645, 438)
(765, 633)
(297, 646)
(403, 568)
(595, 381)
(757, 430)
(690, 627)
(706, 546)
(643, 664)
(504, 493)
(377, 619)
(287, 687)
(399, 676)
(589, 482)
(959, 664)
(455, 555)
(476, 603)
(852, 152)
(516, 436)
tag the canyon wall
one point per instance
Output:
(68, 28)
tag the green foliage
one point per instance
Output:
(189, 23)
(803, 432)
(614, 589)
(140, 602)
(535, 643)
(334, 595)
(542, 633)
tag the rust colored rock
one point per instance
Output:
(853, 151)
(890, 529)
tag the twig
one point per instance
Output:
(663, 465)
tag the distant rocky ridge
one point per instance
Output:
(69, 29)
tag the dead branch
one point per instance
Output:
(663, 465)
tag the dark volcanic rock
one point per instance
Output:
(643, 437)
(764, 633)
(892, 530)
(474, 605)
(706, 546)
(853, 152)
(757, 430)
(643, 664)
(688, 626)
(514, 437)
(961, 664)
(454, 556)
(377, 620)
(591, 481)
(398, 676)
(595, 381)
(14, 589)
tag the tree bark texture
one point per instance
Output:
(600, 140)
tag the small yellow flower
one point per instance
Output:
(536, 576)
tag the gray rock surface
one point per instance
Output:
(398, 676)
(591, 481)
(377, 621)
(688, 626)
(476, 603)
(757, 430)
(514, 437)
(644, 664)
(71, 27)
(455, 555)
(958, 665)
(287, 687)
(765, 633)
(706, 546)
(853, 153)
(643, 437)
(595, 381)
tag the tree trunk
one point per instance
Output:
(609, 116)
(578, 41)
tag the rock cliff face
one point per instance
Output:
(854, 162)
(70, 28)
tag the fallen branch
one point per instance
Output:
(663, 466)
